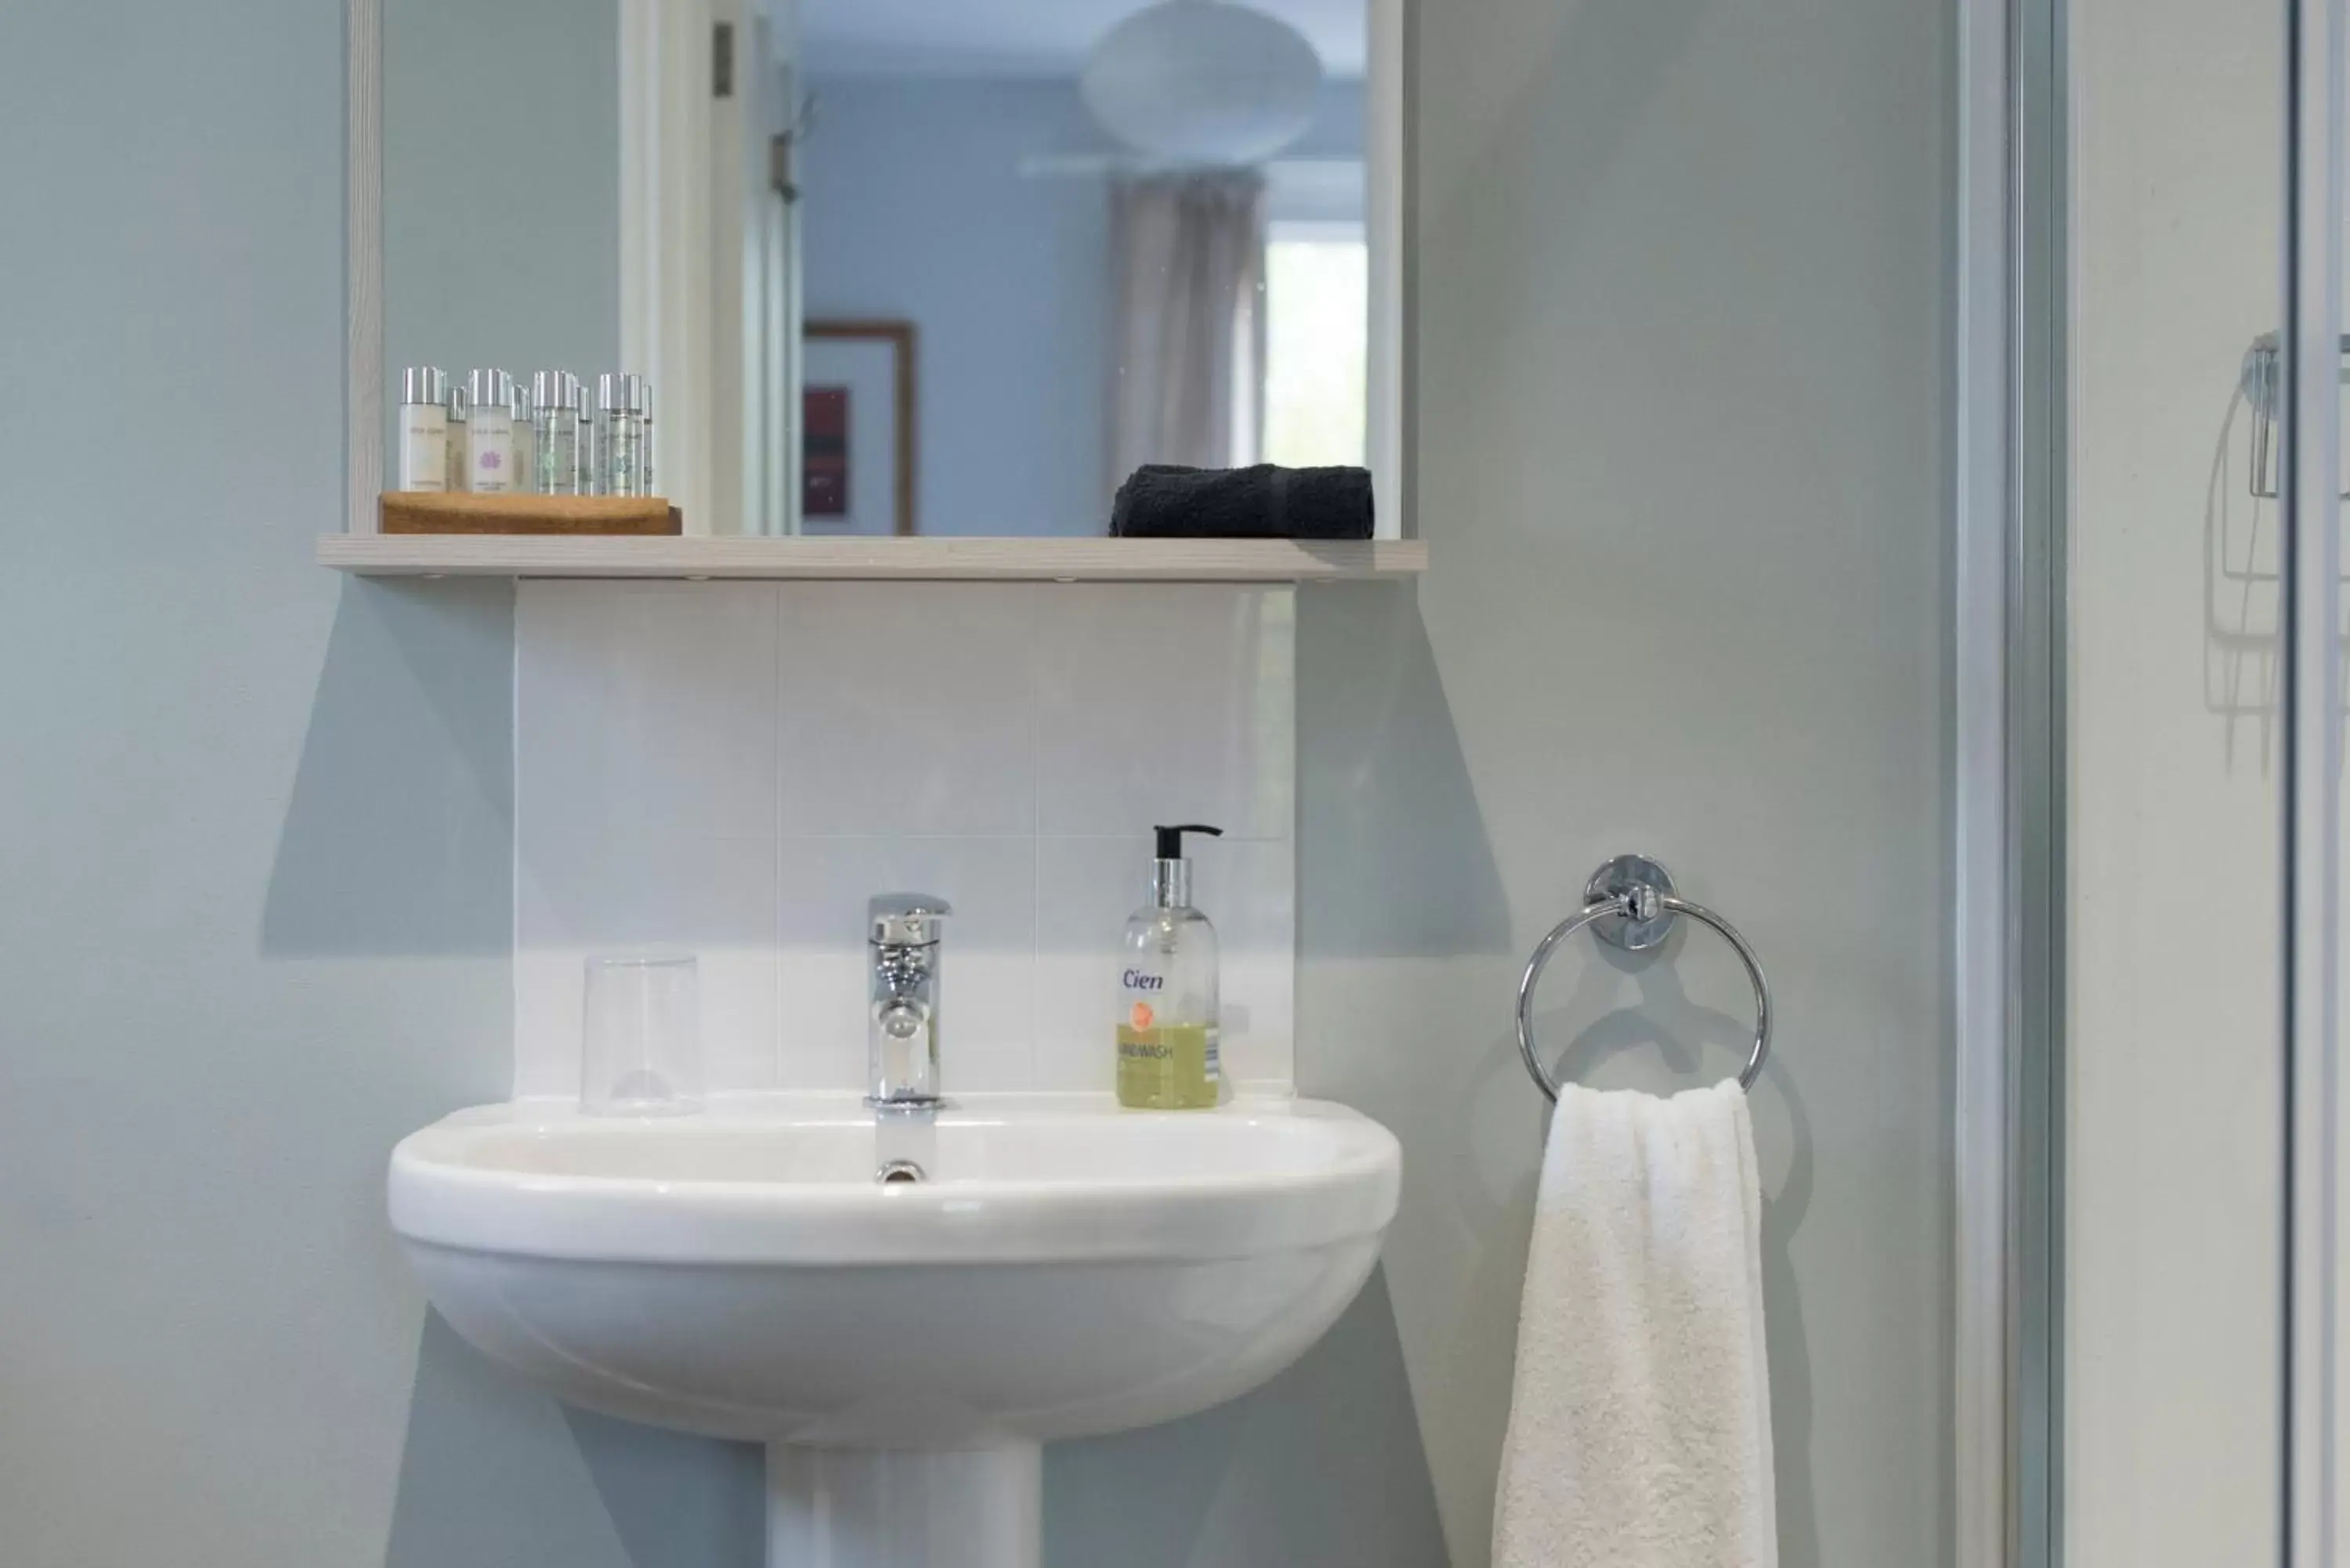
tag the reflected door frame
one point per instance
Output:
(692, 162)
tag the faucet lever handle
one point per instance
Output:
(906, 920)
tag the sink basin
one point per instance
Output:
(1061, 1269)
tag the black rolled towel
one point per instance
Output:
(1166, 501)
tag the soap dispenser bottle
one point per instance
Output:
(1167, 1020)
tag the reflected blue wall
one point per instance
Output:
(914, 206)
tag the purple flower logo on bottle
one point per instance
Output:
(492, 460)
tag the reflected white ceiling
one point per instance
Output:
(1020, 37)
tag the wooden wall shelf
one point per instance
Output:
(886, 560)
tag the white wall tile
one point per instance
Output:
(735, 770)
(712, 897)
(1249, 888)
(1167, 703)
(986, 1026)
(1086, 890)
(646, 706)
(908, 707)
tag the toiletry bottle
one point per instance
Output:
(458, 466)
(489, 433)
(1167, 1002)
(423, 429)
(587, 436)
(555, 432)
(525, 440)
(620, 435)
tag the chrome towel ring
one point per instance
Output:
(1630, 902)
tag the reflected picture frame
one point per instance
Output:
(859, 429)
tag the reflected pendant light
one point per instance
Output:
(1204, 81)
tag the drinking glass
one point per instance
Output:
(641, 1053)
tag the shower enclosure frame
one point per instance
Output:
(2008, 844)
(2311, 695)
(2010, 563)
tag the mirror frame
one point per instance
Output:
(642, 23)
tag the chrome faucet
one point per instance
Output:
(902, 1012)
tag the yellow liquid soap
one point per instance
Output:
(1166, 1067)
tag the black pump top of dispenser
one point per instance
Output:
(1171, 839)
(1170, 875)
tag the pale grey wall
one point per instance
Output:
(1681, 389)
(501, 196)
(1679, 326)
(254, 869)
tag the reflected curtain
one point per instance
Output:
(1187, 253)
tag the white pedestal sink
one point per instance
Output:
(1064, 1269)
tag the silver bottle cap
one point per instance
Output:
(554, 389)
(423, 384)
(489, 390)
(620, 394)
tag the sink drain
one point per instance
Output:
(898, 1172)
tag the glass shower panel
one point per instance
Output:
(2312, 409)
(2177, 754)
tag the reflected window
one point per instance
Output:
(1317, 348)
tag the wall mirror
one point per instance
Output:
(890, 267)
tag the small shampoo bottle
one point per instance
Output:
(1167, 1004)
(423, 429)
(489, 433)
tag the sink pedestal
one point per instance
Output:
(905, 1508)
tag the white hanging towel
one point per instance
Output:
(1640, 1422)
